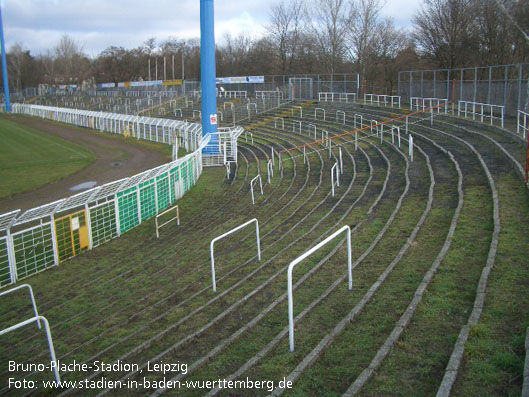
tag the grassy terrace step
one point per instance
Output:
(495, 349)
(261, 275)
(281, 288)
(341, 266)
(274, 321)
(366, 274)
(417, 364)
(237, 319)
(495, 352)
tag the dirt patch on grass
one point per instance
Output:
(116, 159)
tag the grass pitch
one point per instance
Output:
(30, 159)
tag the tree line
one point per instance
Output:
(306, 37)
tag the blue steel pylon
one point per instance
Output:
(4, 65)
(207, 74)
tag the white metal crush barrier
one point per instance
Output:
(337, 96)
(375, 99)
(522, 123)
(481, 110)
(176, 217)
(292, 264)
(418, 103)
(212, 244)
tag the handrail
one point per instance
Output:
(227, 234)
(305, 255)
(30, 294)
(38, 319)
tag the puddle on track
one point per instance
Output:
(83, 186)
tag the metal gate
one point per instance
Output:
(72, 235)
(300, 88)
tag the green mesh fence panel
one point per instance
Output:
(185, 176)
(5, 274)
(33, 250)
(174, 178)
(147, 199)
(191, 172)
(128, 209)
(103, 223)
(162, 190)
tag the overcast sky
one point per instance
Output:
(97, 24)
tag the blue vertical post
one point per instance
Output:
(4, 65)
(207, 73)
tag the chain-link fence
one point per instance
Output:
(504, 85)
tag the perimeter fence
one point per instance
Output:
(43, 237)
(504, 85)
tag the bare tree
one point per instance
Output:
(16, 57)
(331, 23)
(363, 32)
(70, 60)
(389, 44)
(445, 32)
(286, 23)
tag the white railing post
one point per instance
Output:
(292, 264)
(410, 147)
(431, 116)
(333, 173)
(211, 246)
(341, 162)
(251, 186)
